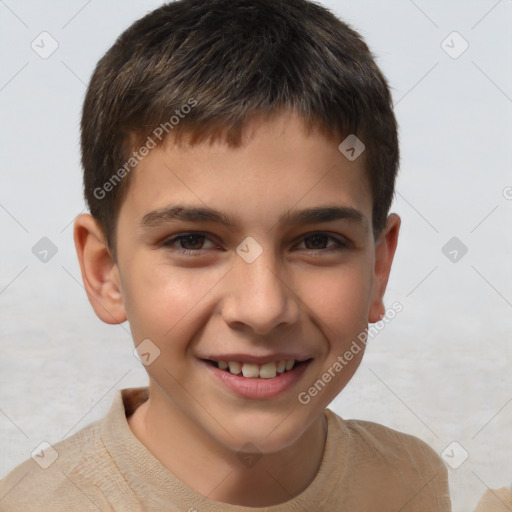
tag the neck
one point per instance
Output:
(215, 471)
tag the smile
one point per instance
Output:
(257, 381)
(252, 371)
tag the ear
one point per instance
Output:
(385, 247)
(99, 270)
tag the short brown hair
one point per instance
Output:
(230, 60)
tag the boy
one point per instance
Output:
(239, 164)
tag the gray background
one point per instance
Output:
(440, 370)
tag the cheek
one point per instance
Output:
(339, 297)
(162, 301)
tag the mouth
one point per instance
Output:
(249, 370)
(250, 380)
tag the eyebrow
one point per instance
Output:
(202, 214)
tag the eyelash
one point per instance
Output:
(167, 243)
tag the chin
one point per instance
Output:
(267, 433)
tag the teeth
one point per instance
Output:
(264, 371)
(250, 370)
(235, 367)
(268, 371)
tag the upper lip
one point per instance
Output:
(245, 358)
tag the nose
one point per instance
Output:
(258, 297)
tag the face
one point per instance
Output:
(255, 254)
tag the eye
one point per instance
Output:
(188, 243)
(192, 244)
(318, 242)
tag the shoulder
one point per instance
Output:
(57, 478)
(80, 472)
(397, 448)
(496, 500)
(396, 460)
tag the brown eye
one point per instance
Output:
(193, 242)
(320, 242)
(317, 241)
(187, 243)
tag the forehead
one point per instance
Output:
(279, 167)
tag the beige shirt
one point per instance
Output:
(104, 467)
(498, 500)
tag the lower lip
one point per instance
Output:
(257, 388)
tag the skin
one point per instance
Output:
(299, 295)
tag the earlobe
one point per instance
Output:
(385, 248)
(100, 273)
